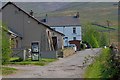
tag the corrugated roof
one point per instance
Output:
(61, 21)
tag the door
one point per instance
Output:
(54, 42)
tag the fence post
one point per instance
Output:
(24, 55)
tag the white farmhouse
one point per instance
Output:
(68, 25)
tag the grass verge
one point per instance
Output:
(102, 67)
(41, 62)
(7, 70)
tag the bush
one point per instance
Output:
(102, 67)
(94, 37)
(6, 50)
(104, 40)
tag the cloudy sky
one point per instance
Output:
(60, 0)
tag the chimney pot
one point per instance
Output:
(46, 16)
(77, 15)
(31, 13)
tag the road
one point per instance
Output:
(69, 67)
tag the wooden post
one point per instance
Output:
(108, 24)
(24, 55)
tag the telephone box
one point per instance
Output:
(35, 51)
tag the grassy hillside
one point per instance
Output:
(91, 12)
(39, 7)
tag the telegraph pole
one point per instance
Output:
(108, 24)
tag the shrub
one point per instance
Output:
(6, 50)
(102, 67)
(103, 40)
(94, 37)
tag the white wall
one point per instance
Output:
(68, 31)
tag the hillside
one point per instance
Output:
(92, 12)
(39, 7)
(97, 12)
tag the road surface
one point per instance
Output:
(69, 67)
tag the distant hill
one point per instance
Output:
(92, 11)
(89, 11)
(39, 7)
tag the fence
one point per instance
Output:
(22, 53)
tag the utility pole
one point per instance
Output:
(108, 24)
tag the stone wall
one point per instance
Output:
(66, 52)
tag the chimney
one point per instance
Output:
(46, 18)
(31, 13)
(77, 15)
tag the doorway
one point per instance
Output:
(54, 42)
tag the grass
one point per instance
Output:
(7, 70)
(41, 62)
(101, 67)
(18, 61)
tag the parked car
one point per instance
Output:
(87, 45)
(73, 46)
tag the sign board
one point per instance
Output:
(35, 51)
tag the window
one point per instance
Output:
(48, 33)
(65, 37)
(53, 28)
(74, 30)
(74, 38)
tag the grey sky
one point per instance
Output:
(60, 0)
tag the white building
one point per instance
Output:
(68, 25)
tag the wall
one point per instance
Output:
(25, 26)
(68, 31)
(66, 52)
(48, 54)
(60, 43)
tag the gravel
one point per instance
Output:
(69, 67)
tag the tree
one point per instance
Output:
(6, 50)
(104, 40)
(94, 37)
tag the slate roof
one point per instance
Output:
(61, 21)
(10, 31)
(14, 33)
(39, 22)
